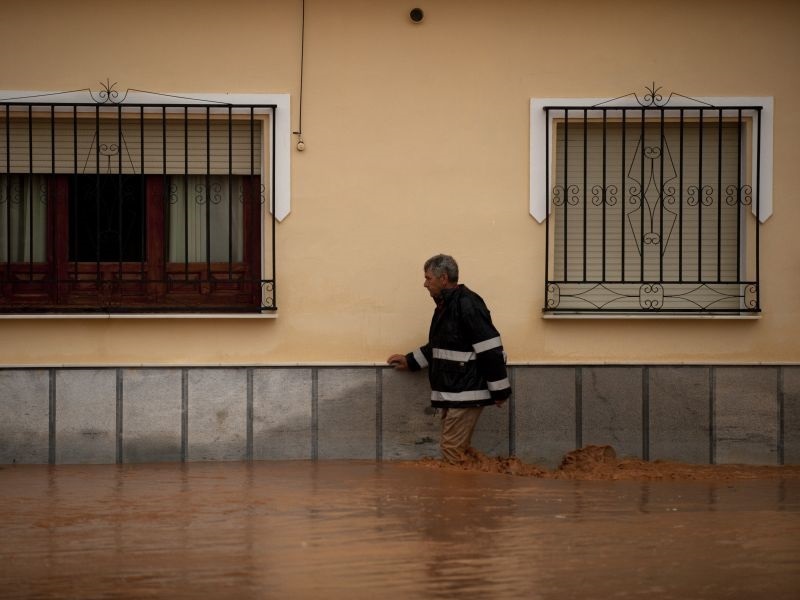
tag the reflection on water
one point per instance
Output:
(365, 530)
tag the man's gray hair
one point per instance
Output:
(443, 263)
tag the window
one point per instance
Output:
(23, 218)
(106, 218)
(125, 208)
(651, 208)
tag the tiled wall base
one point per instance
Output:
(696, 414)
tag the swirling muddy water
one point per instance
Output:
(388, 530)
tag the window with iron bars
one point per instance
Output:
(651, 210)
(136, 208)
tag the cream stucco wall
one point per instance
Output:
(416, 143)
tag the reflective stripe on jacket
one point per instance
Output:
(464, 354)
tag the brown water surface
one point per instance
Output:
(387, 530)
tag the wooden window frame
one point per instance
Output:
(153, 284)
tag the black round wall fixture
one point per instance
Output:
(416, 15)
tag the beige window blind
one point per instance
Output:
(180, 144)
(633, 204)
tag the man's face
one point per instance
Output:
(435, 284)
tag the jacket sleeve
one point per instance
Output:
(419, 358)
(488, 347)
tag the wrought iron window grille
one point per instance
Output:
(650, 207)
(163, 205)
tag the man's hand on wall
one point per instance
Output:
(398, 361)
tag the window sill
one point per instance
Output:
(652, 316)
(223, 316)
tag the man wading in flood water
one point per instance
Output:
(464, 356)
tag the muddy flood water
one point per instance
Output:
(389, 530)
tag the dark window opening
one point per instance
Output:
(107, 218)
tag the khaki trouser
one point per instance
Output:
(457, 427)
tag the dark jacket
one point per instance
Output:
(464, 353)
